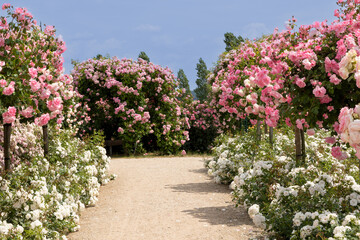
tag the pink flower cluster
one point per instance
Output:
(349, 128)
(291, 76)
(43, 90)
(133, 99)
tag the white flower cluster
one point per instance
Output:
(56, 188)
(300, 201)
(256, 216)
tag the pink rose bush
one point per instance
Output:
(32, 82)
(307, 77)
(292, 75)
(134, 101)
(349, 128)
(203, 126)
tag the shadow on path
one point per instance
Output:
(201, 188)
(225, 216)
(221, 215)
(200, 170)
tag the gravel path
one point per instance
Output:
(163, 198)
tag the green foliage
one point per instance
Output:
(183, 81)
(201, 140)
(232, 41)
(203, 88)
(143, 56)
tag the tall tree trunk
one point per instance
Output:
(7, 134)
(265, 128)
(303, 145)
(258, 130)
(298, 146)
(271, 135)
(46, 140)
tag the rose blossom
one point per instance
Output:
(10, 115)
(337, 153)
(354, 132)
(42, 120)
(319, 91)
(310, 132)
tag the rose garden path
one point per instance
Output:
(163, 198)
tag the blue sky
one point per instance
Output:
(173, 33)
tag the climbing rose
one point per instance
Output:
(9, 116)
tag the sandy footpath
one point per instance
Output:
(163, 198)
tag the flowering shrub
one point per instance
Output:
(233, 153)
(315, 201)
(130, 100)
(32, 83)
(302, 78)
(41, 198)
(204, 126)
(25, 143)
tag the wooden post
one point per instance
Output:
(265, 128)
(46, 140)
(298, 146)
(271, 135)
(303, 145)
(258, 130)
(7, 134)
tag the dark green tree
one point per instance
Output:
(143, 56)
(232, 41)
(186, 97)
(183, 81)
(203, 87)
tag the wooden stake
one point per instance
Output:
(271, 135)
(46, 140)
(7, 134)
(298, 145)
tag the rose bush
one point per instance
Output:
(42, 197)
(32, 83)
(134, 101)
(317, 200)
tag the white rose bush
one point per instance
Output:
(42, 197)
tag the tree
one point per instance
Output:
(203, 88)
(183, 81)
(232, 41)
(143, 56)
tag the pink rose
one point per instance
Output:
(27, 113)
(35, 85)
(345, 118)
(357, 78)
(55, 104)
(183, 152)
(42, 120)
(337, 153)
(319, 92)
(120, 130)
(10, 115)
(3, 83)
(9, 90)
(300, 82)
(330, 140)
(334, 79)
(354, 132)
(33, 72)
(310, 132)
(299, 124)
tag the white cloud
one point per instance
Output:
(148, 28)
(255, 30)
(107, 45)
